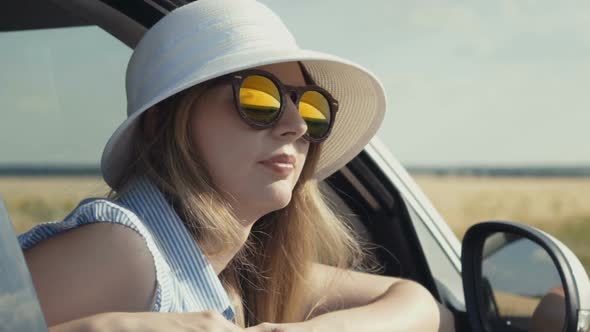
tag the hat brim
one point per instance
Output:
(359, 93)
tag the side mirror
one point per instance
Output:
(518, 278)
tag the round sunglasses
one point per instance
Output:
(260, 101)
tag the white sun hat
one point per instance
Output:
(211, 38)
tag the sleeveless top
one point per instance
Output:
(185, 280)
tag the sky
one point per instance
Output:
(494, 83)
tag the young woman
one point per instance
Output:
(215, 216)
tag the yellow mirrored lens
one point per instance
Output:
(314, 108)
(259, 98)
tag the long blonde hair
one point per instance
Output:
(268, 279)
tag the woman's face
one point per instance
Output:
(240, 158)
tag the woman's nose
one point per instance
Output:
(291, 125)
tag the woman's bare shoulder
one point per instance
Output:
(97, 267)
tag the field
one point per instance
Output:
(33, 199)
(560, 206)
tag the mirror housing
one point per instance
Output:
(575, 282)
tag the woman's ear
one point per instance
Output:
(150, 121)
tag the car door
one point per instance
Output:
(19, 306)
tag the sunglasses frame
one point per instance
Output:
(294, 92)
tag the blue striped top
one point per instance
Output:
(185, 280)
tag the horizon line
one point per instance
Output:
(442, 170)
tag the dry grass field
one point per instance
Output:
(560, 206)
(547, 203)
(31, 200)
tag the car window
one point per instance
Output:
(62, 96)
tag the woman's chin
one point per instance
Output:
(275, 199)
(281, 200)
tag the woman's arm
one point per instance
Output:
(549, 314)
(101, 278)
(354, 301)
(404, 306)
(92, 269)
(149, 322)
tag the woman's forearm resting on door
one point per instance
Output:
(405, 306)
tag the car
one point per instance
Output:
(497, 279)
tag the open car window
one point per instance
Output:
(63, 90)
(66, 96)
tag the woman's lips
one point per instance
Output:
(282, 164)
